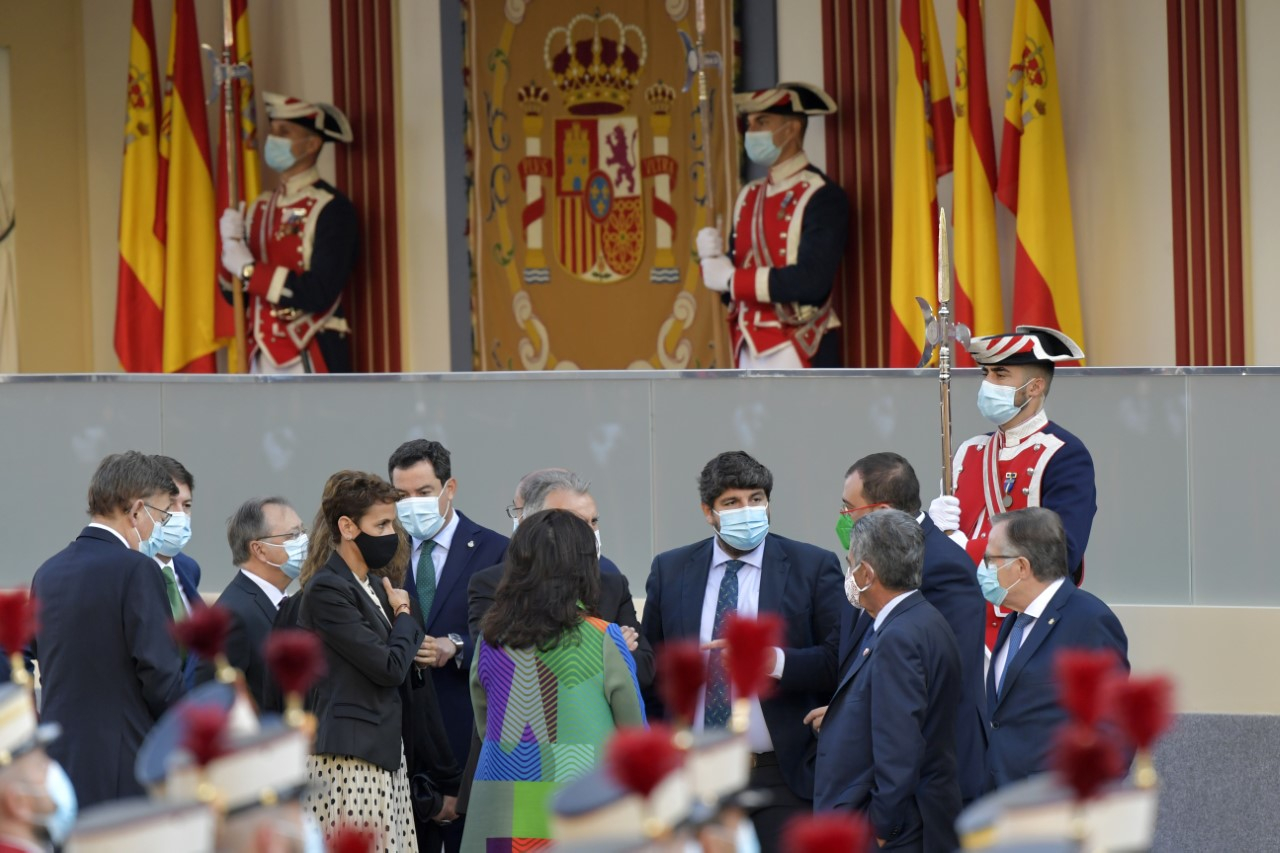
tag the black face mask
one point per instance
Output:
(377, 550)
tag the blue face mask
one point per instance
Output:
(58, 823)
(278, 154)
(989, 581)
(744, 529)
(421, 516)
(152, 544)
(996, 402)
(761, 148)
(295, 555)
(175, 533)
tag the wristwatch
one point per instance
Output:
(457, 640)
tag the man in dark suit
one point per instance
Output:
(746, 569)
(108, 664)
(557, 488)
(1025, 570)
(181, 573)
(268, 544)
(888, 742)
(448, 548)
(948, 582)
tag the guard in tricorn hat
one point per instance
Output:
(294, 253)
(1027, 461)
(786, 242)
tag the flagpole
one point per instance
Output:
(231, 132)
(718, 321)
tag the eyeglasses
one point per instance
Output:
(289, 534)
(165, 515)
(514, 511)
(849, 510)
(987, 558)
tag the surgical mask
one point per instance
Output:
(295, 555)
(152, 544)
(844, 530)
(599, 548)
(421, 516)
(995, 402)
(744, 529)
(852, 591)
(278, 153)
(989, 581)
(378, 550)
(761, 148)
(515, 522)
(175, 533)
(58, 822)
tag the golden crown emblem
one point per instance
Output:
(596, 74)
(532, 98)
(660, 96)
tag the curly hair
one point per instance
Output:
(550, 581)
(735, 469)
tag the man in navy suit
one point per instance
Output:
(108, 664)
(746, 569)
(948, 582)
(180, 571)
(888, 742)
(1026, 570)
(448, 548)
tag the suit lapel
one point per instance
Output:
(864, 654)
(775, 567)
(366, 605)
(461, 548)
(853, 625)
(1046, 622)
(693, 589)
(259, 597)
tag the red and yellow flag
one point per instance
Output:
(923, 125)
(977, 300)
(139, 335)
(1033, 179)
(190, 231)
(246, 153)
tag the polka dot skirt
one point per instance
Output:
(353, 793)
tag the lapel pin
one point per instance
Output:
(1051, 621)
(866, 652)
(471, 544)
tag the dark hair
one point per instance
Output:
(123, 478)
(1037, 534)
(888, 478)
(892, 543)
(420, 450)
(1044, 370)
(249, 524)
(177, 471)
(352, 493)
(735, 469)
(550, 569)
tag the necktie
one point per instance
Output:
(716, 715)
(176, 608)
(426, 578)
(1020, 624)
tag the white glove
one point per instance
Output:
(945, 512)
(717, 273)
(231, 225)
(235, 254)
(710, 244)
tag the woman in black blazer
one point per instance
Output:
(370, 638)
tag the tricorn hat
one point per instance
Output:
(1025, 345)
(325, 119)
(786, 99)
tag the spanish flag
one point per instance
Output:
(139, 335)
(977, 300)
(245, 152)
(923, 124)
(190, 231)
(1033, 179)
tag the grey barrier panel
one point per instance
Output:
(641, 438)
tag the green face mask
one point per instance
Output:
(844, 529)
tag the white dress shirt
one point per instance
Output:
(114, 532)
(443, 540)
(748, 605)
(274, 594)
(1034, 609)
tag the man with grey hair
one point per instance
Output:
(1025, 570)
(887, 746)
(268, 545)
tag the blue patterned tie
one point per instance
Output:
(717, 710)
(426, 578)
(1020, 624)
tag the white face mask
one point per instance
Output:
(599, 550)
(852, 591)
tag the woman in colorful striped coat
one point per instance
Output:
(549, 683)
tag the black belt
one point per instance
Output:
(764, 759)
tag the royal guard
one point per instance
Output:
(295, 253)
(1027, 461)
(787, 240)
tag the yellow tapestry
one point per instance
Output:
(587, 175)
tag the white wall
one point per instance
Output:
(1260, 20)
(800, 58)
